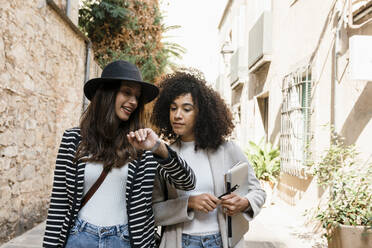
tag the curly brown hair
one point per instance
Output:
(213, 123)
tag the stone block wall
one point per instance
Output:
(42, 68)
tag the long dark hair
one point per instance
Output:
(213, 123)
(103, 133)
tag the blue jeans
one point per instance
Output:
(207, 241)
(84, 234)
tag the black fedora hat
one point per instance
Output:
(117, 71)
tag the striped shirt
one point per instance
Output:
(68, 187)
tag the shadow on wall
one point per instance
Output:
(258, 81)
(359, 116)
(291, 188)
(277, 123)
(252, 86)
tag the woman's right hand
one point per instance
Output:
(203, 202)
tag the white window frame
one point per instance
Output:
(295, 121)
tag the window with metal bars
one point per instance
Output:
(295, 121)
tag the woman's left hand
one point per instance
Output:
(233, 204)
(145, 139)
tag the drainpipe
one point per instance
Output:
(340, 18)
(68, 8)
(86, 76)
(335, 74)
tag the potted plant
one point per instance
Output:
(347, 214)
(265, 160)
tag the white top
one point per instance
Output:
(203, 223)
(107, 207)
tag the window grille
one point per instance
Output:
(295, 121)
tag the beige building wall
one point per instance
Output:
(42, 70)
(239, 16)
(304, 33)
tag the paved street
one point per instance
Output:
(277, 226)
(281, 226)
(32, 238)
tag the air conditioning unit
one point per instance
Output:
(260, 42)
(238, 68)
(234, 67)
(360, 48)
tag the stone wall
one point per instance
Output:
(42, 68)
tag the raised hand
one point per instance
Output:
(233, 204)
(145, 139)
(203, 202)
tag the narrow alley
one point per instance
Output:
(277, 226)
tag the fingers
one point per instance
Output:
(151, 135)
(230, 201)
(204, 202)
(233, 204)
(229, 204)
(138, 135)
(230, 212)
(203, 209)
(229, 196)
(130, 138)
(211, 204)
(208, 206)
(149, 131)
(144, 139)
(214, 199)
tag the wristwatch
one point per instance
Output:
(156, 146)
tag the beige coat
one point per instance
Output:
(173, 212)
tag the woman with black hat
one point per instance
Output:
(86, 208)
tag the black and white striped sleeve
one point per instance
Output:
(59, 200)
(176, 171)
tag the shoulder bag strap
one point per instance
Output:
(95, 186)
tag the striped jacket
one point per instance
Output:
(68, 184)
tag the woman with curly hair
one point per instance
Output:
(197, 121)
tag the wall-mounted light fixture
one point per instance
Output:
(226, 49)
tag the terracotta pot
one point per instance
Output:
(351, 237)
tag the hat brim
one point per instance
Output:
(148, 91)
